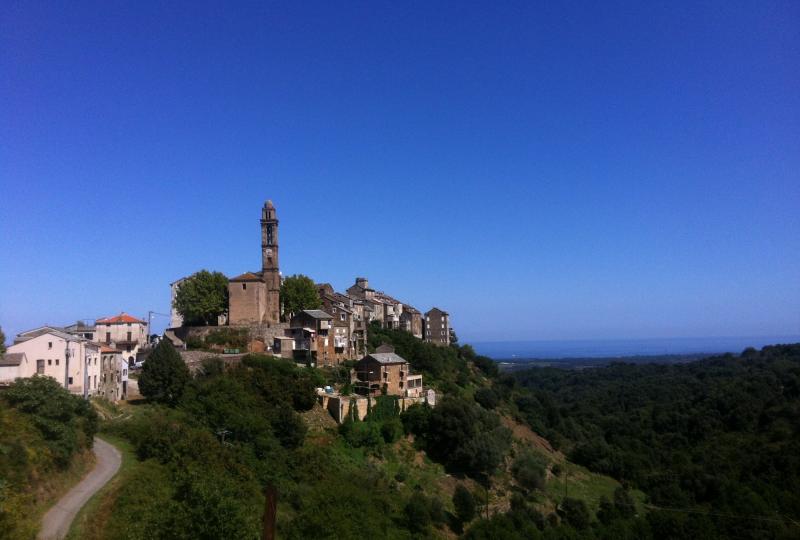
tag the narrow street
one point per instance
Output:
(56, 522)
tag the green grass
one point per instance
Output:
(579, 483)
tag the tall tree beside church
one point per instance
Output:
(202, 298)
(164, 375)
(298, 292)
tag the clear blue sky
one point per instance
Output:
(542, 170)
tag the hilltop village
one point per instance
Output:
(335, 332)
(93, 358)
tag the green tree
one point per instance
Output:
(418, 514)
(464, 503)
(202, 298)
(529, 470)
(164, 375)
(298, 292)
(2, 342)
(575, 512)
(487, 398)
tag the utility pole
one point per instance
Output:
(66, 365)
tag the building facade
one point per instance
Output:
(71, 360)
(254, 297)
(123, 332)
(437, 327)
(386, 371)
(312, 332)
(411, 321)
(113, 374)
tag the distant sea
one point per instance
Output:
(520, 350)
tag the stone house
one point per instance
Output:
(411, 321)
(311, 330)
(73, 361)
(437, 327)
(113, 374)
(350, 328)
(384, 369)
(123, 332)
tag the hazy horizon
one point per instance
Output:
(621, 347)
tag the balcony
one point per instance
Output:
(305, 344)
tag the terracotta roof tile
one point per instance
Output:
(119, 319)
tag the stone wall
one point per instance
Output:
(265, 333)
(339, 406)
(194, 359)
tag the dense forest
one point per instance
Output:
(715, 444)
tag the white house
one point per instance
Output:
(71, 360)
(11, 367)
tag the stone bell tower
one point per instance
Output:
(270, 272)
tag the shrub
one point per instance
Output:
(236, 338)
(575, 512)
(391, 430)
(67, 423)
(529, 470)
(487, 398)
(415, 419)
(464, 504)
(417, 512)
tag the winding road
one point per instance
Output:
(56, 522)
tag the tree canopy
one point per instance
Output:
(298, 292)
(202, 298)
(164, 375)
(2, 342)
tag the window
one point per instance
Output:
(129, 324)
(95, 382)
(128, 348)
(129, 336)
(70, 380)
(57, 361)
(40, 367)
(49, 344)
(244, 286)
(49, 361)
(343, 316)
(108, 337)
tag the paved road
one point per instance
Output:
(56, 522)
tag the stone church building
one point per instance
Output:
(254, 297)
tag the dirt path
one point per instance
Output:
(57, 520)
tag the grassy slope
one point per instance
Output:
(42, 484)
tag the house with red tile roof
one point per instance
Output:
(124, 332)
